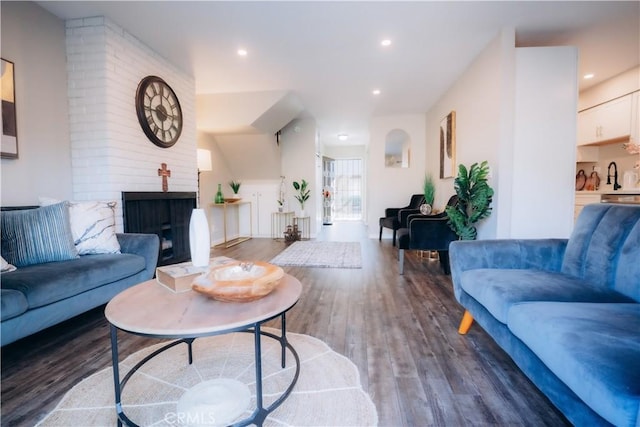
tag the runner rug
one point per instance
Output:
(328, 391)
(320, 254)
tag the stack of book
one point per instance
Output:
(180, 277)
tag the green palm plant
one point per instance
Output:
(474, 200)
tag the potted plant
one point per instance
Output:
(303, 193)
(474, 200)
(235, 186)
(429, 194)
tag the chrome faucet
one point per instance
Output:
(615, 176)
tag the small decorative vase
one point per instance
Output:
(199, 238)
(302, 213)
(219, 196)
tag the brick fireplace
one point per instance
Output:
(110, 153)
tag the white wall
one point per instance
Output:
(512, 111)
(255, 161)
(543, 188)
(298, 144)
(209, 180)
(34, 40)
(483, 101)
(251, 157)
(345, 151)
(393, 187)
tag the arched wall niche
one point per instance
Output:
(397, 149)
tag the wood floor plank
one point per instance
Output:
(399, 330)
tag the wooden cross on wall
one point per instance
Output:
(164, 173)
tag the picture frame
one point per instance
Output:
(9, 141)
(448, 145)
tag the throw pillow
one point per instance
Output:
(5, 267)
(93, 226)
(35, 236)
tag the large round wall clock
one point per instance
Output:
(159, 111)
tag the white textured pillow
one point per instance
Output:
(5, 267)
(93, 226)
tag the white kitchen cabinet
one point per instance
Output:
(583, 199)
(607, 121)
(585, 153)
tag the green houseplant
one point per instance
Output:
(429, 189)
(303, 192)
(235, 186)
(474, 200)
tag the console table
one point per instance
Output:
(227, 243)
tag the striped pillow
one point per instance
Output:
(34, 236)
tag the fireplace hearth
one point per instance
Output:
(165, 214)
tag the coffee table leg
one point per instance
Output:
(283, 340)
(116, 372)
(189, 342)
(261, 414)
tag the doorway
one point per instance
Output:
(347, 198)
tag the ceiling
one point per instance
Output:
(329, 53)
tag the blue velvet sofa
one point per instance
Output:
(35, 297)
(567, 311)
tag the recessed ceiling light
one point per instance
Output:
(589, 76)
(376, 92)
(343, 137)
(242, 52)
(386, 42)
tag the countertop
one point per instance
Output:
(608, 190)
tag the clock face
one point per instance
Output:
(159, 111)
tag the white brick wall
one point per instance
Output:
(109, 151)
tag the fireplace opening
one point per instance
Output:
(165, 214)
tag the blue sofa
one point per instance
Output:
(38, 296)
(567, 311)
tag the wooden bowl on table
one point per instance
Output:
(239, 281)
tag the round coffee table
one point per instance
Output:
(149, 309)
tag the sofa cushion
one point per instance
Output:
(605, 247)
(34, 236)
(46, 283)
(498, 289)
(593, 348)
(13, 303)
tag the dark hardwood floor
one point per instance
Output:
(401, 332)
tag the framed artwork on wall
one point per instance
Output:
(448, 146)
(9, 143)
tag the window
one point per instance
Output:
(348, 189)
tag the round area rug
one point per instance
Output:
(328, 391)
